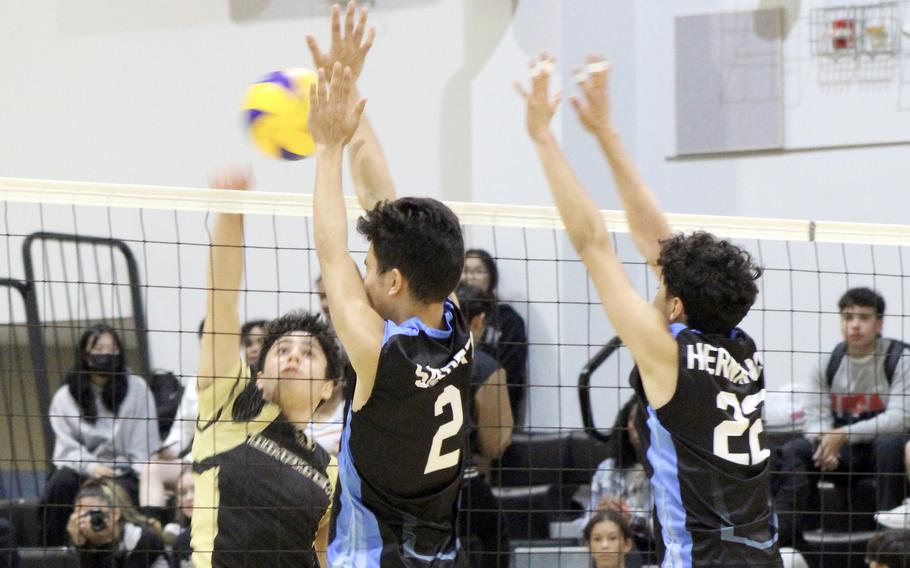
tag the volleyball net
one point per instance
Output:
(134, 257)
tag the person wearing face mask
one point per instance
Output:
(105, 426)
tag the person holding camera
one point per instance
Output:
(105, 426)
(108, 532)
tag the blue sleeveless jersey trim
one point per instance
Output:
(357, 541)
(668, 495)
(677, 328)
(414, 326)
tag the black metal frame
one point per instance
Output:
(37, 354)
(584, 388)
(143, 364)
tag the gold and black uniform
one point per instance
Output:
(263, 489)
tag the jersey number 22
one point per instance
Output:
(738, 426)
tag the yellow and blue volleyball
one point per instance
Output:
(277, 112)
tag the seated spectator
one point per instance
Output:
(899, 517)
(489, 434)
(252, 333)
(108, 532)
(621, 483)
(889, 549)
(9, 553)
(186, 493)
(166, 464)
(105, 424)
(609, 539)
(855, 420)
(505, 336)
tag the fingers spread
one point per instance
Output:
(321, 87)
(369, 43)
(349, 20)
(314, 48)
(361, 26)
(358, 109)
(336, 25)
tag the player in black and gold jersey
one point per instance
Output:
(698, 376)
(263, 489)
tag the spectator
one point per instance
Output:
(855, 419)
(889, 549)
(105, 424)
(609, 539)
(621, 483)
(9, 554)
(166, 464)
(505, 336)
(108, 532)
(186, 493)
(489, 434)
(899, 517)
(252, 333)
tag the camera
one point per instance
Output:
(97, 519)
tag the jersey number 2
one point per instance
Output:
(738, 426)
(450, 396)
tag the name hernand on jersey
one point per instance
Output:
(718, 361)
(430, 376)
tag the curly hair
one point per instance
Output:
(714, 278)
(250, 402)
(313, 324)
(422, 238)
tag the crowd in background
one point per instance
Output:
(121, 491)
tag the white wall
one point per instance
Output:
(866, 185)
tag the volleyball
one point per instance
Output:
(277, 110)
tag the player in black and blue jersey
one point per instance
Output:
(402, 450)
(698, 376)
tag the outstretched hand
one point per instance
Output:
(334, 115)
(234, 178)
(593, 80)
(541, 107)
(350, 49)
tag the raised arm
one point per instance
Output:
(640, 325)
(369, 169)
(333, 122)
(646, 221)
(219, 350)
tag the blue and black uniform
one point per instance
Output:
(707, 458)
(403, 452)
